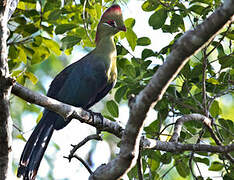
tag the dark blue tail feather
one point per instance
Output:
(36, 146)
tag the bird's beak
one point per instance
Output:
(123, 28)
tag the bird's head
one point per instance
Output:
(111, 21)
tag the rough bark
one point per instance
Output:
(5, 132)
(68, 111)
(186, 46)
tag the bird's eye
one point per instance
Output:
(111, 23)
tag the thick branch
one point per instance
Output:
(67, 111)
(179, 147)
(186, 46)
(5, 87)
(114, 128)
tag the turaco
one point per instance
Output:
(81, 84)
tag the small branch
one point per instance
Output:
(179, 123)
(88, 138)
(84, 21)
(179, 147)
(204, 95)
(83, 162)
(192, 154)
(223, 36)
(139, 167)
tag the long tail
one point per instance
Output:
(35, 147)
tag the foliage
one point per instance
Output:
(42, 32)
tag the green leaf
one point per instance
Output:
(52, 4)
(20, 136)
(54, 15)
(149, 5)
(131, 38)
(213, 81)
(130, 70)
(197, 9)
(230, 35)
(119, 94)
(154, 164)
(31, 77)
(40, 55)
(216, 166)
(215, 110)
(109, 117)
(70, 41)
(132, 174)
(39, 117)
(52, 45)
(22, 56)
(182, 167)
(177, 22)
(202, 160)
(112, 107)
(13, 52)
(143, 41)
(158, 19)
(166, 158)
(152, 128)
(60, 29)
(129, 23)
(147, 53)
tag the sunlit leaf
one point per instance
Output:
(20, 136)
(215, 110)
(149, 5)
(39, 117)
(129, 23)
(52, 45)
(131, 38)
(213, 81)
(216, 166)
(31, 77)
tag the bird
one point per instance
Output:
(81, 84)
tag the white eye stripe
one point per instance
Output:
(107, 24)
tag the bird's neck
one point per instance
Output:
(105, 45)
(105, 48)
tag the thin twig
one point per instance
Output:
(85, 140)
(139, 167)
(204, 95)
(85, 23)
(83, 162)
(224, 34)
(192, 154)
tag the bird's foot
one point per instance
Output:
(96, 114)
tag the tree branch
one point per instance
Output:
(179, 123)
(179, 147)
(5, 88)
(84, 141)
(68, 111)
(187, 45)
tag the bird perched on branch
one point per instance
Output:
(81, 84)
